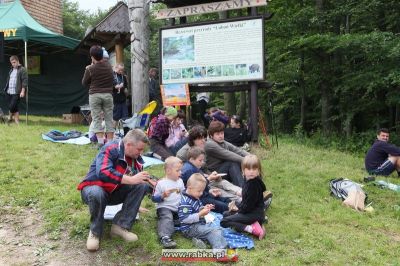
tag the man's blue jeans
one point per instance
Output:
(97, 198)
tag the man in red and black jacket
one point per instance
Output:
(116, 176)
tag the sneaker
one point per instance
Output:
(267, 197)
(198, 243)
(257, 230)
(370, 178)
(167, 242)
(148, 154)
(117, 230)
(267, 203)
(246, 147)
(93, 242)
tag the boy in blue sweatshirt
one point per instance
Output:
(210, 195)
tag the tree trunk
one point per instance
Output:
(348, 124)
(323, 86)
(325, 108)
(319, 4)
(397, 119)
(140, 33)
(242, 104)
(302, 86)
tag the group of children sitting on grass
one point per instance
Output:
(186, 196)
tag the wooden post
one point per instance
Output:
(254, 98)
(139, 26)
(253, 110)
(119, 52)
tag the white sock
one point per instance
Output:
(248, 229)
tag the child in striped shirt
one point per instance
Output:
(191, 215)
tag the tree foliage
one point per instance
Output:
(77, 21)
(335, 62)
(340, 57)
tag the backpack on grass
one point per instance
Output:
(349, 192)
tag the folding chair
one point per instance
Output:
(138, 120)
(86, 113)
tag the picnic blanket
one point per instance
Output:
(149, 161)
(111, 211)
(69, 137)
(233, 238)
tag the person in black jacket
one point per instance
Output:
(250, 215)
(120, 90)
(382, 158)
(236, 134)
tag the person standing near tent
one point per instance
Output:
(119, 93)
(100, 79)
(15, 88)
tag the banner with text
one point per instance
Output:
(208, 8)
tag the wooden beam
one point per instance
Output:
(229, 88)
(119, 48)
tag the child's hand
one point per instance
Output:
(232, 206)
(210, 206)
(213, 176)
(166, 194)
(203, 212)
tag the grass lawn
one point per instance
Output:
(306, 225)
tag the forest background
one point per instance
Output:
(335, 65)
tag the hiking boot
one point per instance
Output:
(117, 230)
(257, 230)
(198, 243)
(93, 242)
(167, 242)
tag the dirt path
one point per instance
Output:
(23, 241)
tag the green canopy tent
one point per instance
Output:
(17, 25)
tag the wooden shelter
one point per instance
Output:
(113, 32)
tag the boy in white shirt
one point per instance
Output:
(167, 195)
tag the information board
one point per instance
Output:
(223, 51)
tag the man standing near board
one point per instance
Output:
(154, 89)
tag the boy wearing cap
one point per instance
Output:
(161, 132)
